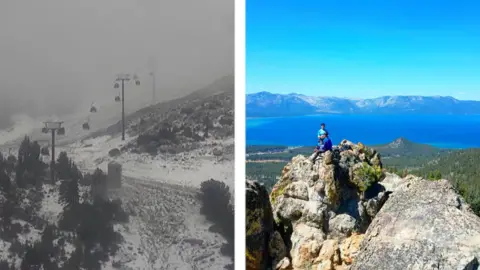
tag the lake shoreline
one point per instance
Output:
(442, 131)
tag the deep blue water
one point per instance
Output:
(447, 131)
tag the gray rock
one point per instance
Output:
(277, 248)
(259, 224)
(289, 208)
(317, 193)
(372, 206)
(114, 152)
(423, 225)
(297, 190)
(392, 182)
(314, 214)
(342, 224)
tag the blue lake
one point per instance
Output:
(447, 131)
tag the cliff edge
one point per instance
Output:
(344, 212)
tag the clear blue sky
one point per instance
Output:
(364, 48)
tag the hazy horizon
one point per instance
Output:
(355, 98)
(58, 57)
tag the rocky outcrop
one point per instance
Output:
(423, 225)
(328, 204)
(265, 246)
(343, 212)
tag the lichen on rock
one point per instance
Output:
(343, 212)
(423, 225)
(264, 246)
(321, 201)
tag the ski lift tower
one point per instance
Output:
(153, 87)
(124, 78)
(53, 127)
(153, 68)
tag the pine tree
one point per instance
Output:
(63, 166)
(208, 124)
(47, 246)
(99, 184)
(30, 168)
(69, 175)
(32, 258)
(5, 182)
(69, 192)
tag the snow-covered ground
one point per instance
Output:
(186, 169)
(166, 230)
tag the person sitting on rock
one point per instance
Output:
(324, 145)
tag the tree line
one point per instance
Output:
(86, 222)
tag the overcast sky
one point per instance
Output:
(58, 55)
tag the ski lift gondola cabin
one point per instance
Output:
(61, 131)
(44, 130)
(86, 126)
(116, 86)
(93, 109)
(117, 98)
(137, 82)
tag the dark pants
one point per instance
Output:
(316, 153)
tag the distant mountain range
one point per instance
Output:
(266, 104)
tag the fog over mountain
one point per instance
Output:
(57, 57)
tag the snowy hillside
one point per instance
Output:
(159, 191)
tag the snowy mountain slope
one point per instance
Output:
(172, 233)
(166, 230)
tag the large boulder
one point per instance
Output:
(265, 246)
(327, 204)
(423, 225)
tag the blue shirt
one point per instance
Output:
(321, 132)
(327, 144)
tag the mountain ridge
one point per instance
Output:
(266, 104)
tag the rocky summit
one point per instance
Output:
(343, 211)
